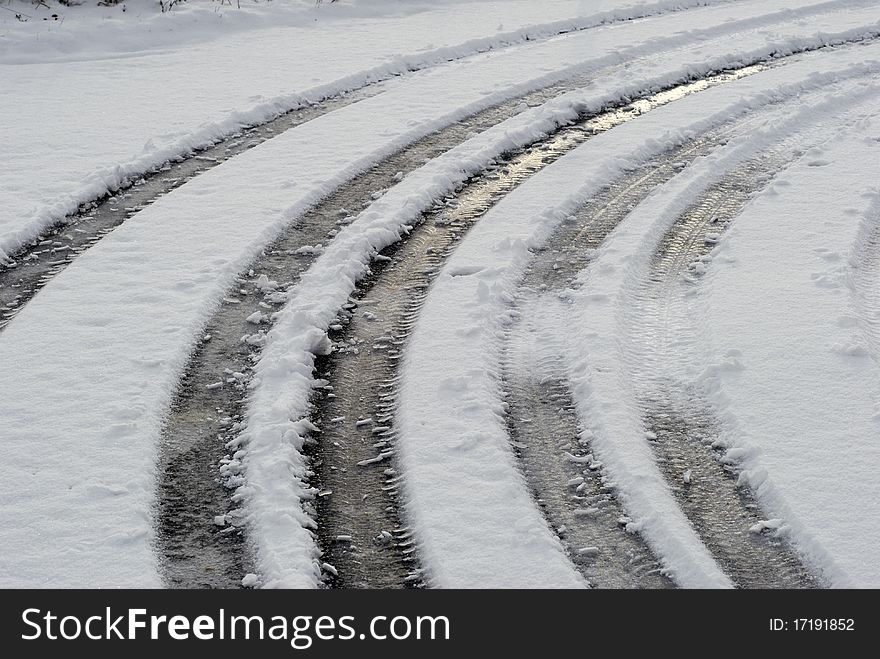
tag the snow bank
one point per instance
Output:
(54, 32)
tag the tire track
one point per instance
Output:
(683, 429)
(565, 477)
(196, 551)
(199, 528)
(37, 263)
(351, 467)
(555, 456)
(684, 432)
(27, 270)
(354, 456)
(572, 492)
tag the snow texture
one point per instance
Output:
(97, 355)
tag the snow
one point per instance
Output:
(98, 353)
(92, 31)
(283, 382)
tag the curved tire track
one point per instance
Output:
(200, 538)
(545, 431)
(28, 269)
(353, 454)
(543, 424)
(37, 263)
(196, 430)
(682, 424)
(686, 433)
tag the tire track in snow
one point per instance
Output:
(354, 455)
(353, 469)
(36, 264)
(542, 421)
(571, 491)
(682, 427)
(566, 480)
(25, 272)
(564, 476)
(681, 424)
(199, 528)
(199, 533)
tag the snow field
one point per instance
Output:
(97, 365)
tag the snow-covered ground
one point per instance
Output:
(788, 300)
(87, 116)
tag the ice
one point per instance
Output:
(250, 580)
(264, 284)
(309, 250)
